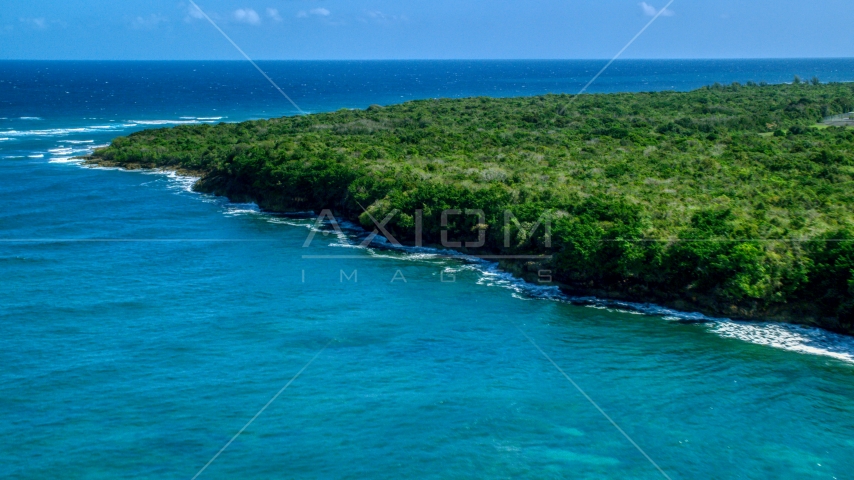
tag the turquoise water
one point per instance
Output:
(143, 325)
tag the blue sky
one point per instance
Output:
(429, 29)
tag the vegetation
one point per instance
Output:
(728, 199)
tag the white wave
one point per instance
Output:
(44, 133)
(183, 183)
(31, 118)
(344, 239)
(58, 132)
(61, 151)
(432, 258)
(109, 169)
(794, 338)
(207, 119)
(238, 209)
(3, 139)
(79, 142)
(291, 222)
(176, 181)
(65, 160)
(187, 118)
(36, 156)
(165, 122)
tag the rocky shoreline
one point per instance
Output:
(530, 271)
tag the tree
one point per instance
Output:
(654, 196)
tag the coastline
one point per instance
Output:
(138, 303)
(738, 216)
(652, 303)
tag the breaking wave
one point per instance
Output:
(793, 338)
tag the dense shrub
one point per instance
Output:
(705, 193)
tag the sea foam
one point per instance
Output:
(793, 338)
(59, 132)
(238, 209)
(789, 337)
(185, 121)
(65, 160)
(182, 183)
(61, 151)
(784, 336)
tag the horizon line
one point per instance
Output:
(416, 59)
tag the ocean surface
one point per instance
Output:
(143, 325)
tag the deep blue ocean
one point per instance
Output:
(143, 325)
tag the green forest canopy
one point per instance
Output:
(730, 198)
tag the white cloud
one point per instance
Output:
(648, 10)
(380, 17)
(148, 23)
(320, 12)
(247, 15)
(39, 23)
(274, 14)
(194, 12)
(651, 11)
